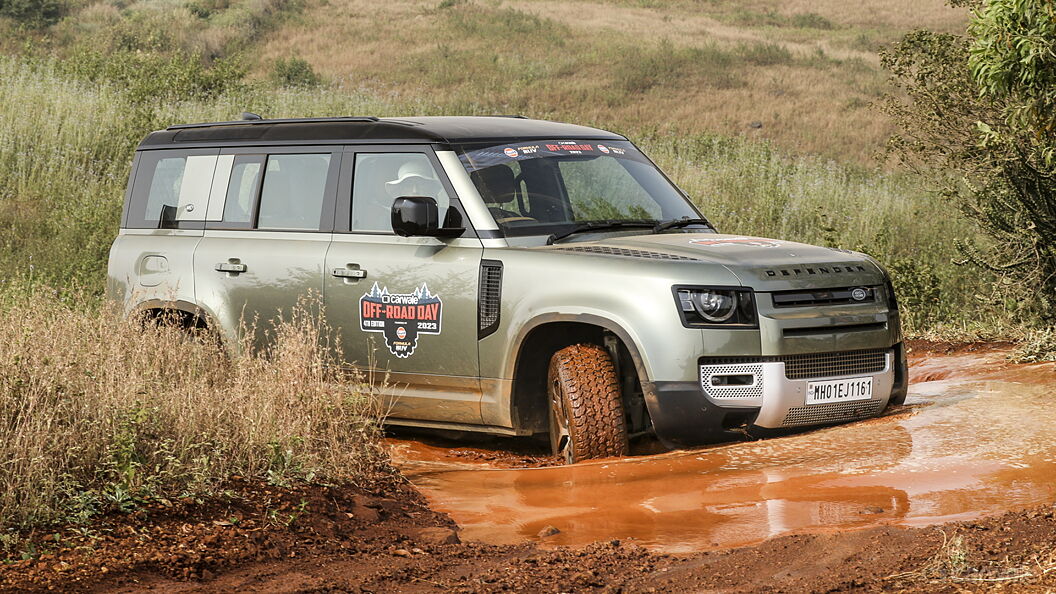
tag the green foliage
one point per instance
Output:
(1013, 60)
(973, 128)
(32, 13)
(149, 77)
(294, 72)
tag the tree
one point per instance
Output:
(33, 13)
(977, 118)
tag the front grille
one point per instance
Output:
(819, 414)
(816, 365)
(811, 298)
(613, 251)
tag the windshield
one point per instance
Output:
(549, 186)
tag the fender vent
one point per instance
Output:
(490, 297)
(613, 251)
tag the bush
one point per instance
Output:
(99, 414)
(34, 13)
(294, 73)
(977, 118)
(150, 77)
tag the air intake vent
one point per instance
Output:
(613, 251)
(816, 365)
(820, 414)
(488, 305)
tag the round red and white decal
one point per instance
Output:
(724, 241)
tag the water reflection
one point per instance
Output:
(963, 449)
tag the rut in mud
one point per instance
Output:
(971, 441)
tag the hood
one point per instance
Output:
(761, 263)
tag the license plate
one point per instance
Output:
(859, 388)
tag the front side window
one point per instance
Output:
(380, 178)
(543, 187)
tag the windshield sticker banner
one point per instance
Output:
(721, 241)
(498, 155)
(401, 317)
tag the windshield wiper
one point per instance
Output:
(679, 223)
(597, 226)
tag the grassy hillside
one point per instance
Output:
(801, 74)
(759, 109)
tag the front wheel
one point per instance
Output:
(586, 410)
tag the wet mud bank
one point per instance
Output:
(975, 439)
(345, 540)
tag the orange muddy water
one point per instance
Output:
(976, 437)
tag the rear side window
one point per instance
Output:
(171, 189)
(294, 192)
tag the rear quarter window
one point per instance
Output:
(171, 189)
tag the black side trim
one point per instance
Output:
(490, 298)
(490, 234)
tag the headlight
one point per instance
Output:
(715, 306)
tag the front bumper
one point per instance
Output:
(693, 413)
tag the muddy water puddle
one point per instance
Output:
(965, 446)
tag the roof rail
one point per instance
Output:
(279, 121)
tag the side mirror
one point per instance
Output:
(418, 216)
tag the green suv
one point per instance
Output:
(511, 276)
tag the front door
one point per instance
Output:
(405, 307)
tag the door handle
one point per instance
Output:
(356, 273)
(231, 267)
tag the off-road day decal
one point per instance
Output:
(400, 316)
(755, 241)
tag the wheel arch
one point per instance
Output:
(193, 315)
(543, 336)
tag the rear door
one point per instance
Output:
(265, 243)
(151, 260)
(406, 307)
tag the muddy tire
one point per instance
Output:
(586, 410)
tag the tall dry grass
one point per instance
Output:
(98, 414)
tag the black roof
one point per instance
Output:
(433, 129)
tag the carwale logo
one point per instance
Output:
(401, 317)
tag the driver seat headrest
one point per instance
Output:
(497, 184)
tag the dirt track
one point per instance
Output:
(340, 539)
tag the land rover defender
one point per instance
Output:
(511, 276)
